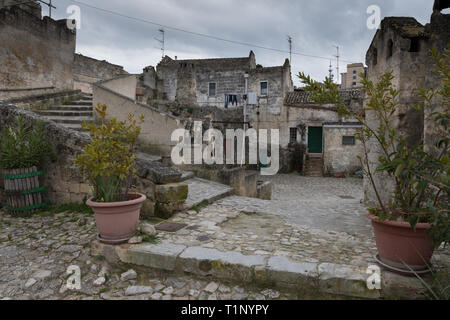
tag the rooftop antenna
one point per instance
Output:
(290, 48)
(337, 66)
(162, 41)
(330, 71)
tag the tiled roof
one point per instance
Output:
(304, 97)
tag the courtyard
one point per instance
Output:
(310, 222)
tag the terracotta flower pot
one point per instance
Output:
(397, 244)
(117, 221)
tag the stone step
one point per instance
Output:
(70, 108)
(186, 175)
(73, 126)
(66, 113)
(82, 103)
(73, 120)
(205, 191)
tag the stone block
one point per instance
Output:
(225, 265)
(171, 193)
(283, 271)
(159, 256)
(148, 209)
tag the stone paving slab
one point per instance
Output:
(205, 191)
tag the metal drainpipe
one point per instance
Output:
(245, 119)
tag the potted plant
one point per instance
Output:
(108, 163)
(415, 220)
(23, 151)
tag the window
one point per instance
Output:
(354, 71)
(264, 88)
(354, 83)
(415, 45)
(293, 135)
(348, 140)
(212, 89)
(375, 56)
(354, 77)
(390, 48)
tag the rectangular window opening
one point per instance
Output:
(348, 140)
(293, 135)
(212, 89)
(264, 88)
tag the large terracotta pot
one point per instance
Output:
(397, 244)
(117, 221)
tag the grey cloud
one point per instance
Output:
(314, 25)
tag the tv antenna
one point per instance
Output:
(337, 66)
(290, 48)
(162, 41)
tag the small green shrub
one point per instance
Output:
(23, 146)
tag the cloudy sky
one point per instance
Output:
(315, 27)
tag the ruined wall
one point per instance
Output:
(87, 70)
(35, 52)
(404, 46)
(158, 126)
(337, 157)
(31, 7)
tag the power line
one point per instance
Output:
(200, 34)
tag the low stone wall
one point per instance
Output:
(17, 93)
(158, 126)
(44, 100)
(67, 185)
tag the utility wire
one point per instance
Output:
(199, 34)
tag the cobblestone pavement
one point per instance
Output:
(307, 221)
(35, 254)
(312, 202)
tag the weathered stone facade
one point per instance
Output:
(87, 71)
(35, 52)
(206, 82)
(403, 46)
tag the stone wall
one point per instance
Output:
(87, 71)
(34, 52)
(339, 158)
(160, 184)
(158, 126)
(17, 93)
(403, 46)
(189, 80)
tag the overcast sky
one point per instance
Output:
(315, 26)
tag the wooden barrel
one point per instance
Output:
(22, 189)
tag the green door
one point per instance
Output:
(315, 139)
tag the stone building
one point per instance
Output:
(352, 78)
(32, 7)
(403, 45)
(34, 52)
(219, 82)
(87, 71)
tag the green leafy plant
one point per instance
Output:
(24, 146)
(108, 161)
(421, 176)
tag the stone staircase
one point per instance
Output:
(314, 166)
(71, 115)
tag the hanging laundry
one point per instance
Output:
(226, 100)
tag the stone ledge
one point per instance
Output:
(315, 279)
